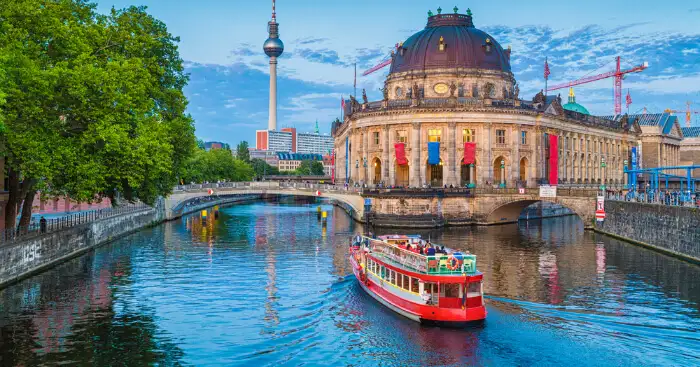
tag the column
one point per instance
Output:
(489, 153)
(515, 160)
(386, 158)
(365, 156)
(414, 168)
(452, 152)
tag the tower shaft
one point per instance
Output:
(272, 121)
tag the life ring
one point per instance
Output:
(453, 263)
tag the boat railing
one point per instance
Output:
(439, 264)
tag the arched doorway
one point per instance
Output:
(499, 171)
(468, 175)
(377, 177)
(401, 178)
(523, 171)
(435, 174)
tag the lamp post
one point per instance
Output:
(503, 174)
(605, 173)
(471, 176)
(626, 182)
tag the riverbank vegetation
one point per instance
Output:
(93, 104)
(214, 166)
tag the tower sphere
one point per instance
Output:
(273, 47)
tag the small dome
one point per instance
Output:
(573, 106)
(451, 41)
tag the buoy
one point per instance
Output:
(210, 192)
(318, 193)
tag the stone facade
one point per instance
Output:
(511, 135)
(671, 229)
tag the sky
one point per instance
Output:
(221, 44)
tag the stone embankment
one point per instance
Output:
(671, 229)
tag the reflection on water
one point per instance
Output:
(267, 284)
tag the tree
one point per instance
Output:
(242, 151)
(94, 104)
(262, 168)
(216, 165)
(310, 168)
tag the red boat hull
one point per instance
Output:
(427, 314)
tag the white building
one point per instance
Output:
(314, 143)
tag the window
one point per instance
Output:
(581, 146)
(588, 146)
(406, 282)
(566, 143)
(414, 285)
(401, 136)
(468, 136)
(451, 290)
(375, 135)
(523, 137)
(434, 135)
(500, 136)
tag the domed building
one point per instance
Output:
(451, 114)
(573, 106)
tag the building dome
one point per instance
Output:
(450, 41)
(273, 47)
(573, 106)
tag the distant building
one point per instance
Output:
(292, 161)
(690, 147)
(277, 141)
(315, 143)
(216, 145)
(267, 155)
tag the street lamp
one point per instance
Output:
(503, 174)
(605, 175)
(626, 177)
(357, 163)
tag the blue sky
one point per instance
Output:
(221, 43)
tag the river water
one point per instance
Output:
(266, 285)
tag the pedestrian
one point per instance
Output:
(42, 225)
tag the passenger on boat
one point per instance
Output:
(420, 250)
(408, 247)
(426, 297)
(431, 250)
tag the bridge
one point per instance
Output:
(436, 207)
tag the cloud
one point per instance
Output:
(696, 10)
(324, 56)
(310, 40)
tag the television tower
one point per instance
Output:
(273, 48)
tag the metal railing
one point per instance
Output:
(437, 264)
(43, 226)
(687, 199)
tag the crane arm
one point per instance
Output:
(593, 78)
(378, 67)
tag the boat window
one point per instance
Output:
(393, 277)
(474, 287)
(414, 285)
(382, 272)
(406, 282)
(451, 290)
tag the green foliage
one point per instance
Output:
(242, 151)
(262, 168)
(310, 168)
(216, 165)
(94, 103)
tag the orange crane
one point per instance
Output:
(688, 112)
(386, 62)
(618, 74)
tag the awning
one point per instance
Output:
(434, 153)
(469, 153)
(400, 150)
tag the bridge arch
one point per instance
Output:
(509, 210)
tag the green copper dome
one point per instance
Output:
(573, 106)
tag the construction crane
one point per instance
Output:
(387, 61)
(618, 74)
(688, 112)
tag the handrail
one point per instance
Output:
(418, 262)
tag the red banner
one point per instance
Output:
(469, 153)
(400, 154)
(553, 160)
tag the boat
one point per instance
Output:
(442, 288)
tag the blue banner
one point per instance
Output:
(632, 178)
(434, 153)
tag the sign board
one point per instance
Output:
(600, 204)
(521, 190)
(600, 216)
(547, 191)
(368, 202)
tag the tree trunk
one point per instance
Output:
(12, 199)
(24, 186)
(26, 218)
